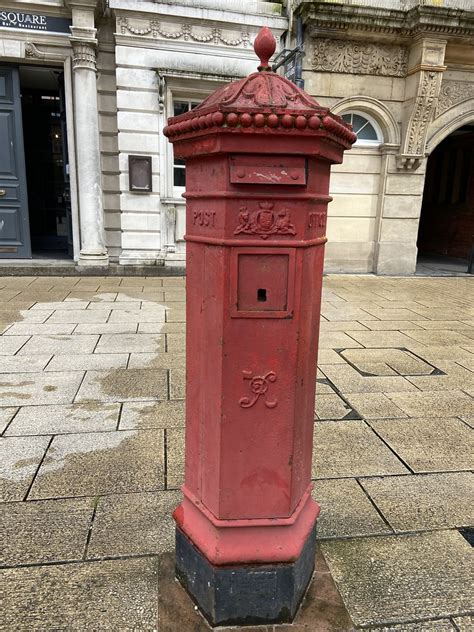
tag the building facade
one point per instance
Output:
(402, 71)
(86, 88)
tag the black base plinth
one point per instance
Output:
(247, 594)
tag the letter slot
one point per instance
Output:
(262, 283)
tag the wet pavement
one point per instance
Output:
(92, 453)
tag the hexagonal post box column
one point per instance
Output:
(258, 155)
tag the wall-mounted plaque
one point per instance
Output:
(139, 173)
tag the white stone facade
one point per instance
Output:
(406, 65)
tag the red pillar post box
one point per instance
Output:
(258, 154)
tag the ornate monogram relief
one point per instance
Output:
(359, 58)
(264, 222)
(185, 32)
(453, 92)
(259, 385)
(423, 112)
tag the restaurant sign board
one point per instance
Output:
(34, 22)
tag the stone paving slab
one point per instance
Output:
(176, 343)
(141, 415)
(175, 464)
(134, 524)
(37, 329)
(126, 315)
(379, 339)
(79, 316)
(71, 418)
(52, 344)
(393, 314)
(45, 531)
(429, 501)
(20, 389)
(457, 377)
(19, 461)
(392, 325)
(329, 356)
(332, 407)
(429, 444)
(157, 360)
(464, 624)
(436, 404)
(106, 328)
(60, 305)
(87, 362)
(390, 361)
(161, 328)
(341, 325)
(348, 380)
(89, 464)
(177, 383)
(124, 385)
(438, 625)
(346, 511)
(435, 337)
(469, 421)
(350, 449)
(130, 343)
(23, 364)
(391, 579)
(9, 345)
(337, 340)
(105, 595)
(373, 405)
(6, 415)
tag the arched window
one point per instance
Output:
(367, 130)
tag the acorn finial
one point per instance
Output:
(264, 47)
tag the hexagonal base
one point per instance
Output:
(248, 594)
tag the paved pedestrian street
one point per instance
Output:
(92, 454)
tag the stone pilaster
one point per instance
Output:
(423, 85)
(91, 213)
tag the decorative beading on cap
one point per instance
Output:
(264, 102)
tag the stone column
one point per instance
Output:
(91, 213)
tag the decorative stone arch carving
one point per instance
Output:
(377, 110)
(457, 116)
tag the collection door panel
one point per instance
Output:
(14, 225)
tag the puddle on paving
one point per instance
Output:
(86, 460)
(100, 463)
(66, 446)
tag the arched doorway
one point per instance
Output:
(446, 229)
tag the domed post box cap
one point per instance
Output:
(262, 103)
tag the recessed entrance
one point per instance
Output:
(46, 163)
(446, 230)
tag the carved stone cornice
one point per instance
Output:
(84, 54)
(453, 92)
(354, 57)
(154, 29)
(421, 19)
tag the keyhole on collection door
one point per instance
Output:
(261, 295)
